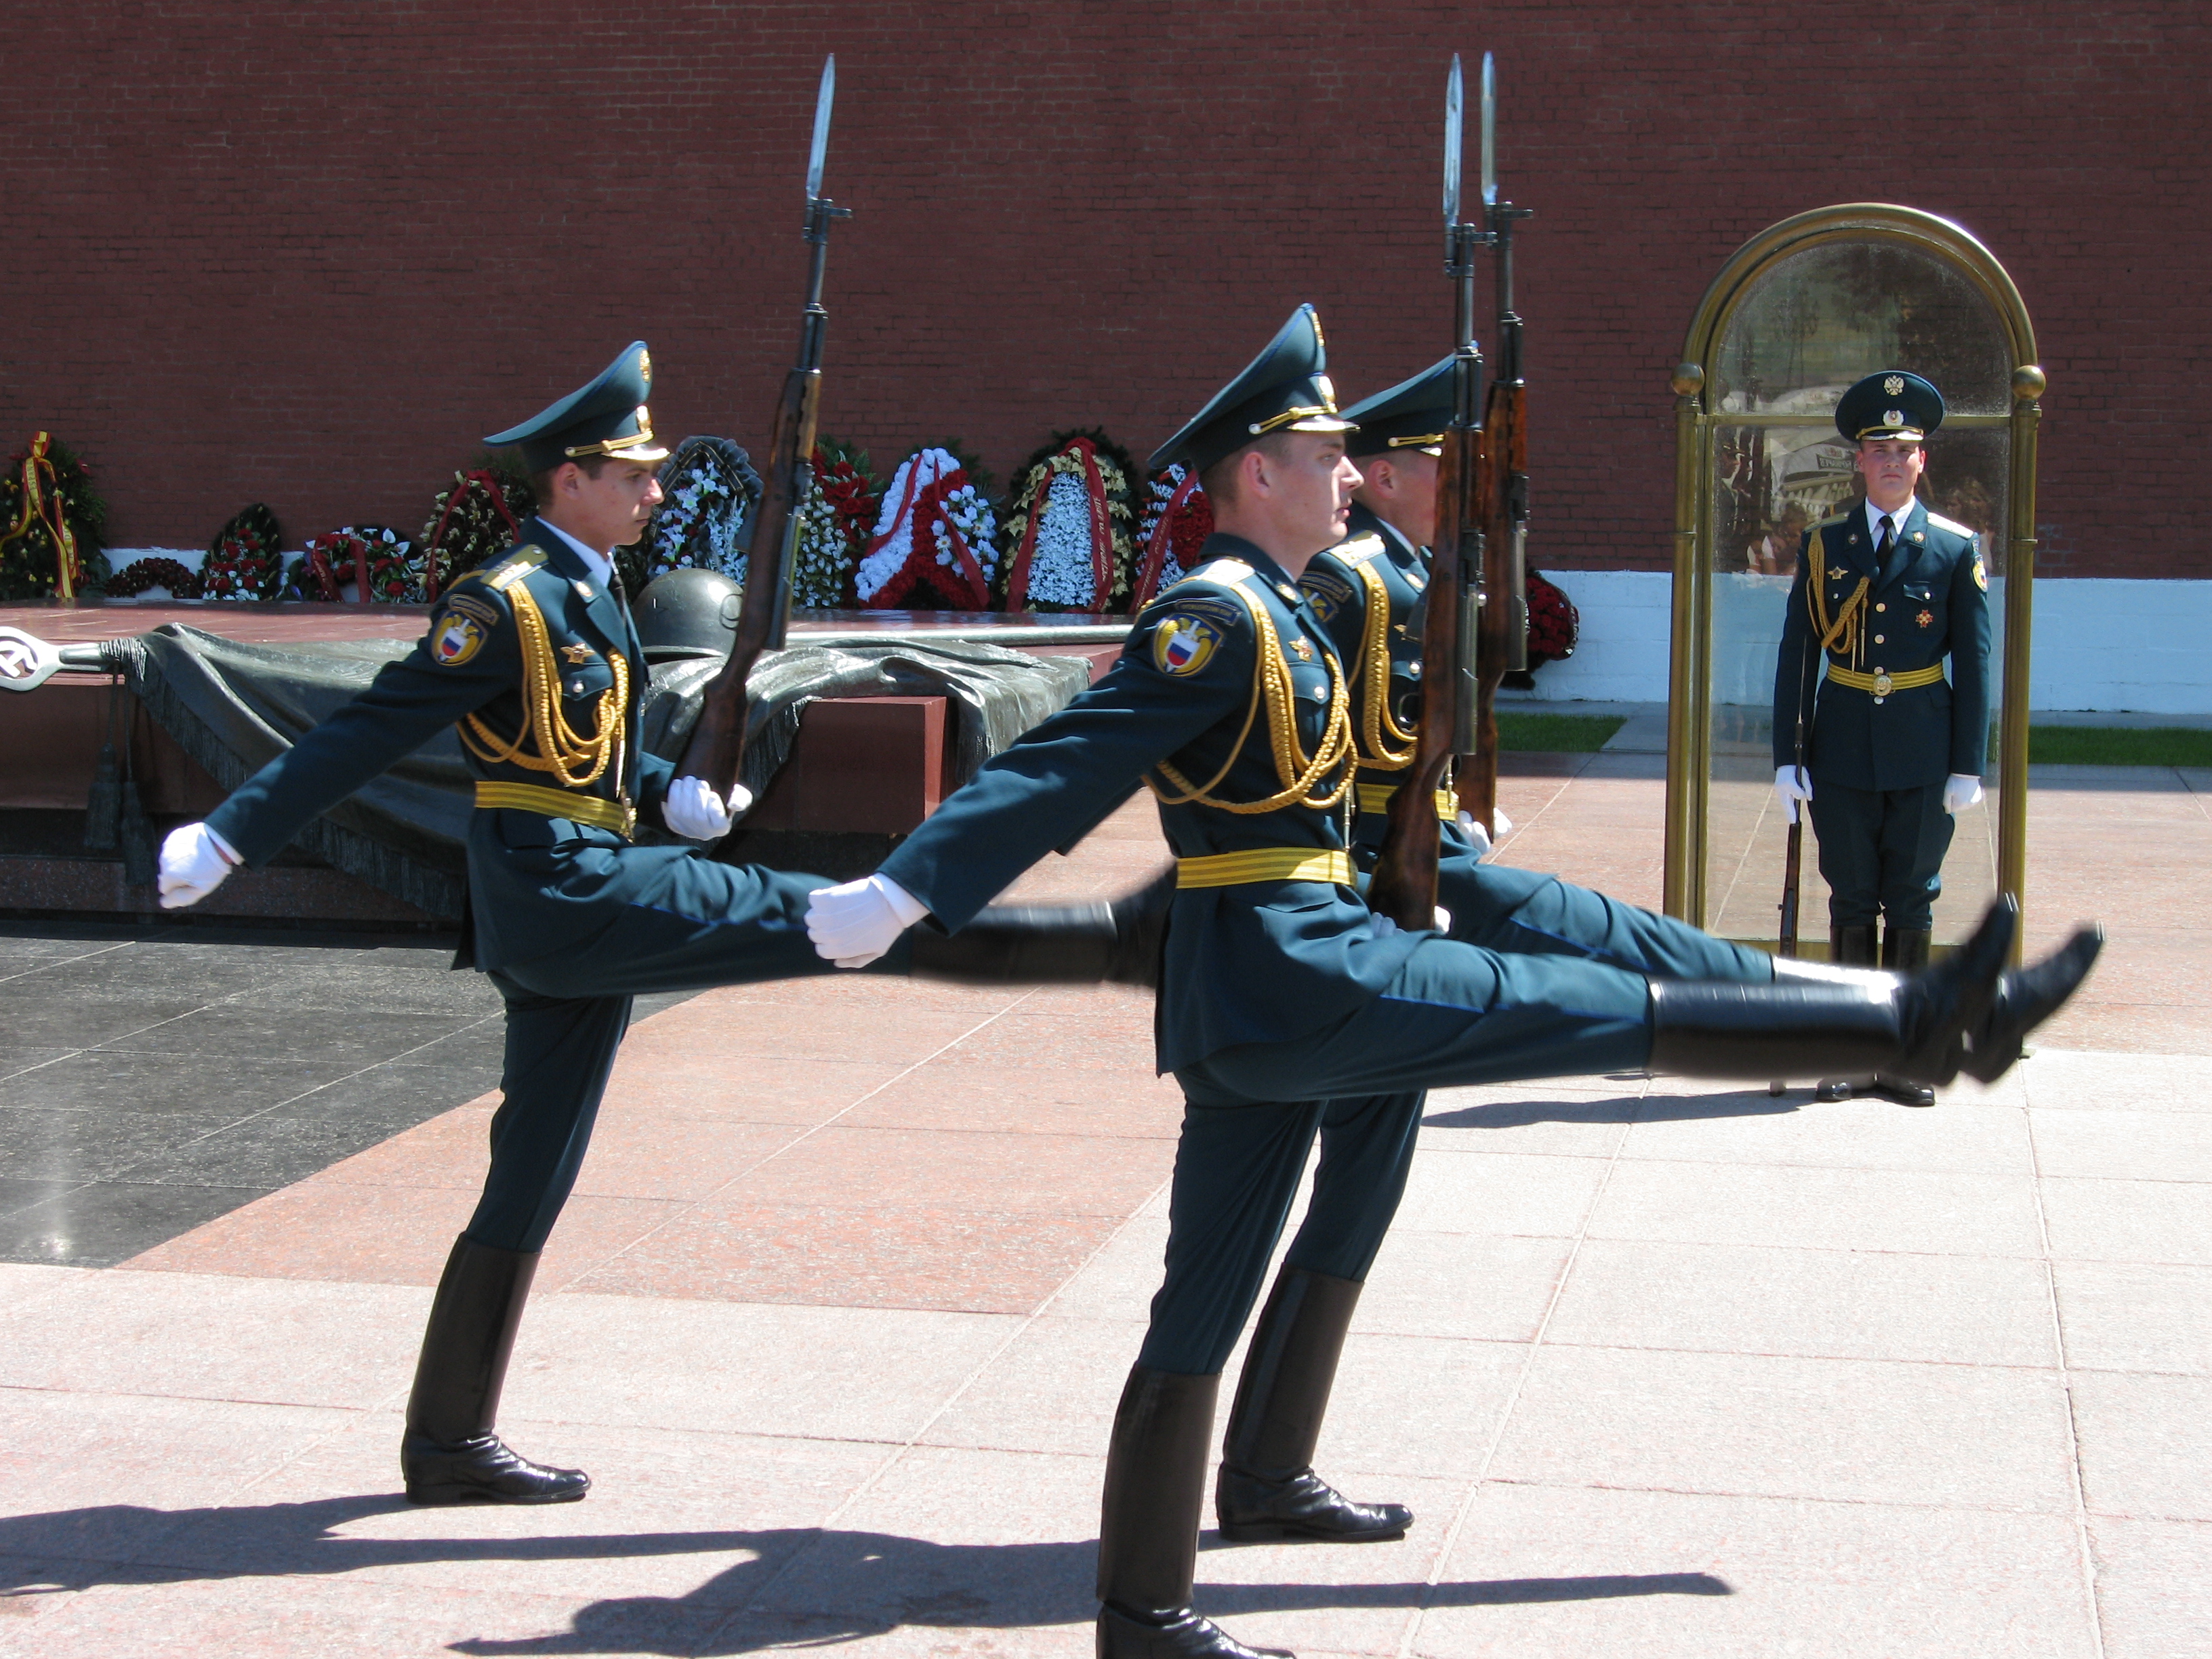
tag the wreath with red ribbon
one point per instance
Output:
(1177, 520)
(1069, 530)
(246, 561)
(373, 559)
(835, 513)
(475, 518)
(50, 523)
(933, 545)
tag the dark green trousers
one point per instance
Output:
(1881, 852)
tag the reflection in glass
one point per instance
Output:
(1802, 333)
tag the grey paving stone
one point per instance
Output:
(69, 1020)
(42, 1144)
(17, 1194)
(323, 1036)
(395, 1093)
(143, 1084)
(15, 1059)
(262, 1152)
(100, 1225)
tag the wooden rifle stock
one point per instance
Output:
(716, 750)
(1504, 613)
(1404, 883)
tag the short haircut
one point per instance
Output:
(541, 483)
(1218, 480)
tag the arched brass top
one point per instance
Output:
(1861, 221)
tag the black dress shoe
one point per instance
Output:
(1178, 1633)
(1902, 1090)
(2024, 1001)
(482, 1470)
(1251, 1509)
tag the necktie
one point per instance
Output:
(1881, 553)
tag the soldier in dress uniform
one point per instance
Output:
(1283, 1000)
(534, 659)
(1891, 748)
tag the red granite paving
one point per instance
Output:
(835, 1139)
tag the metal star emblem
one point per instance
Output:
(577, 653)
(1836, 572)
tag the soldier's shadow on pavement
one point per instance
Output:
(1625, 1109)
(838, 1585)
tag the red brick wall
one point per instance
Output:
(308, 253)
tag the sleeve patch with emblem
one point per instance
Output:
(1183, 643)
(469, 606)
(1981, 575)
(455, 640)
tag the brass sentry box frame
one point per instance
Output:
(1708, 412)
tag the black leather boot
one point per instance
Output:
(1267, 1488)
(1837, 1022)
(2025, 999)
(449, 1453)
(1148, 1525)
(1903, 950)
(1119, 941)
(1848, 947)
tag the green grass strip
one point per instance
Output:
(1556, 734)
(2118, 746)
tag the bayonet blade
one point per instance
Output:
(821, 150)
(1452, 144)
(1489, 132)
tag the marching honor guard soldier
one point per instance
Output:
(533, 658)
(1888, 750)
(1284, 1000)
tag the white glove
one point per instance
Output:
(1960, 792)
(1471, 826)
(697, 813)
(1792, 785)
(854, 924)
(195, 861)
(1443, 920)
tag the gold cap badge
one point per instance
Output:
(1893, 385)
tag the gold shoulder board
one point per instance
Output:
(514, 567)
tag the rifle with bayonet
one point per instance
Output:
(716, 750)
(1504, 642)
(1404, 884)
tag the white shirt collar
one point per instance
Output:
(599, 564)
(1873, 518)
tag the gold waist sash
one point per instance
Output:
(560, 803)
(1375, 797)
(1882, 683)
(1264, 864)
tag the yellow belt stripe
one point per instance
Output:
(1264, 864)
(559, 804)
(1375, 797)
(1911, 679)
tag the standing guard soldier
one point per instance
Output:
(1284, 999)
(534, 659)
(1889, 749)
